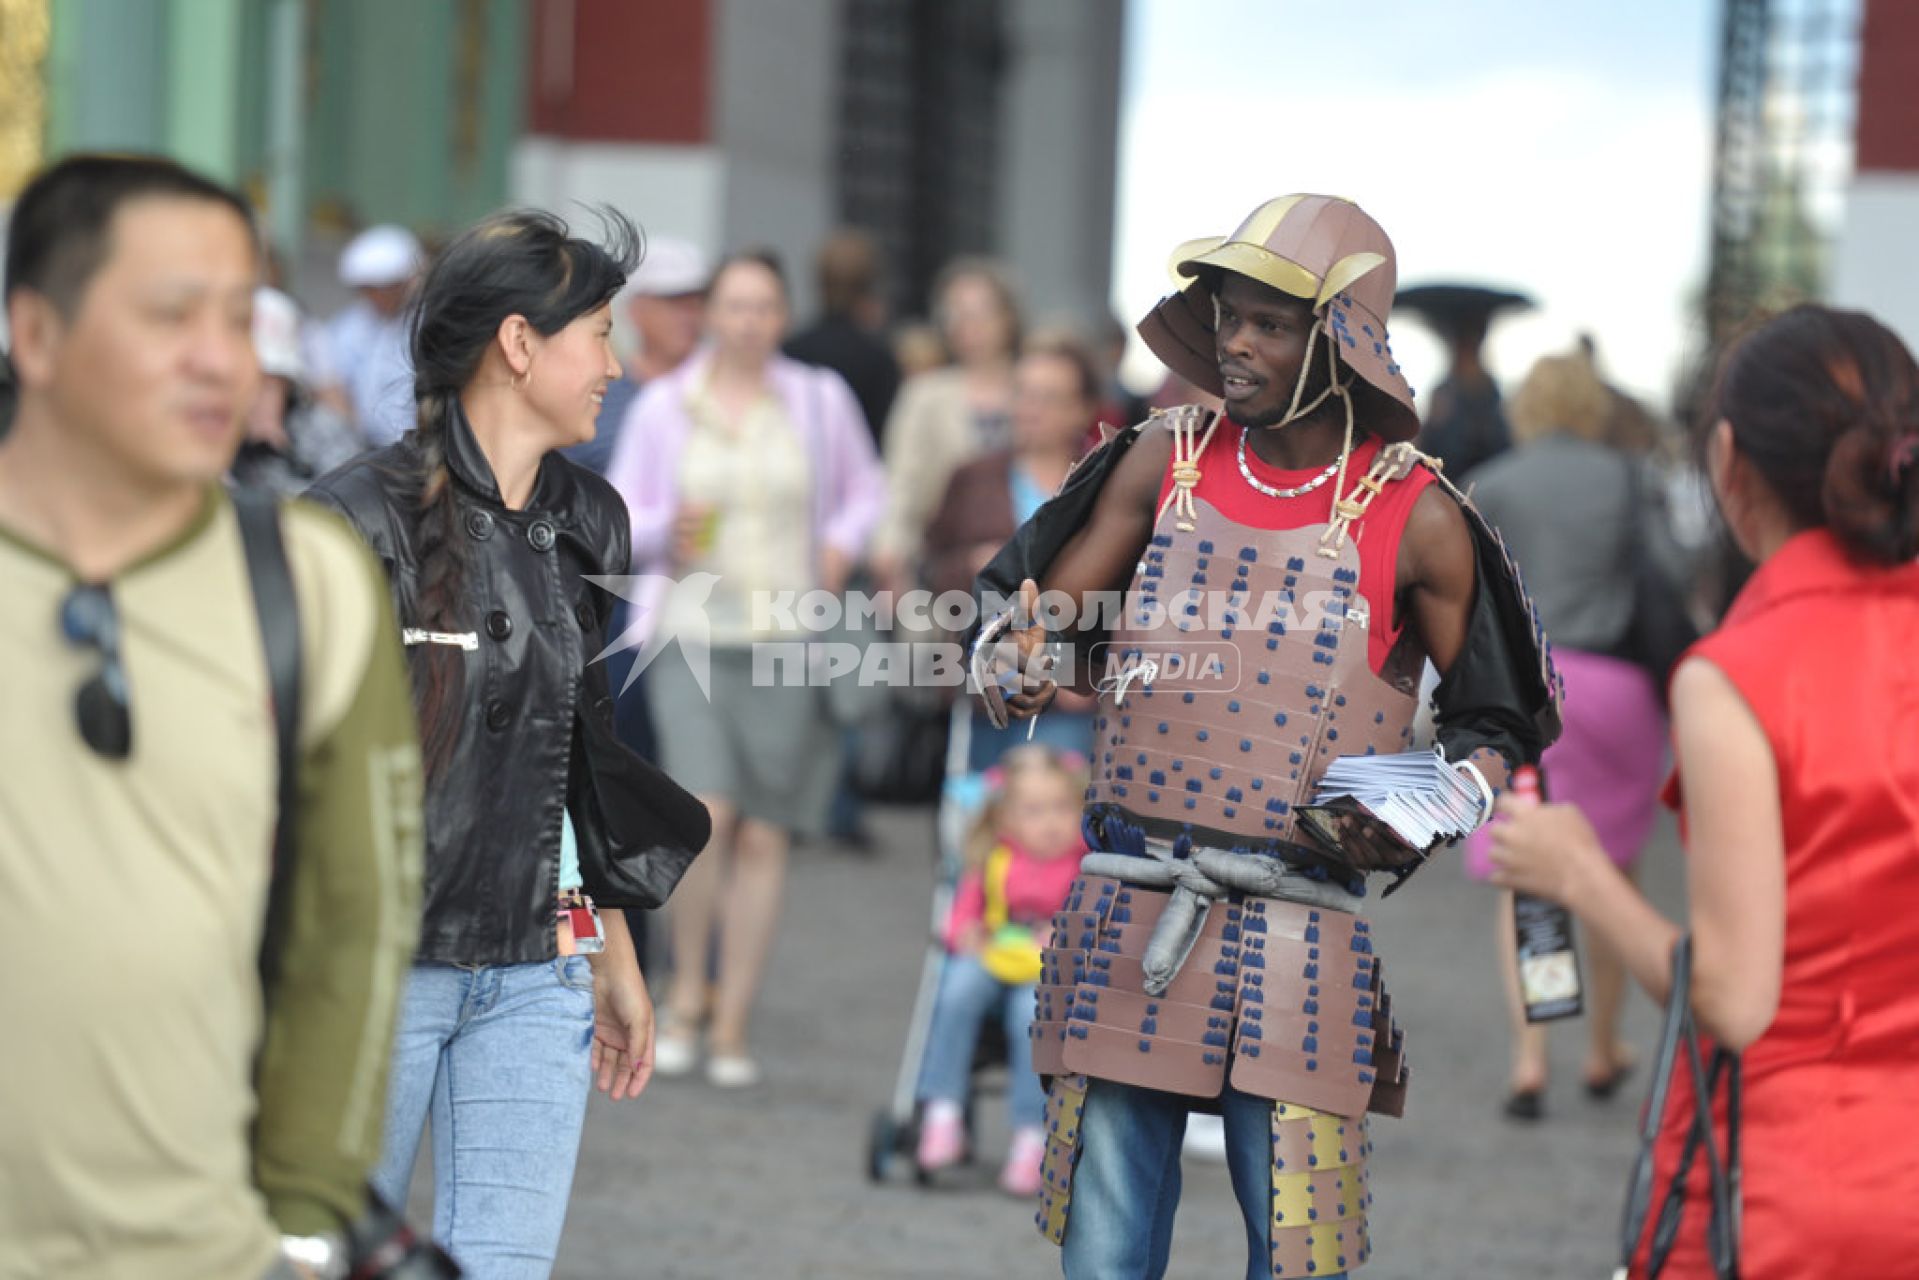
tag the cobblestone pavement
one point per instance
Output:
(691, 1183)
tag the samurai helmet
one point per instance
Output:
(1322, 249)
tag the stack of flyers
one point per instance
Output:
(1379, 813)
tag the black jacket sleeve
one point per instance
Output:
(1030, 552)
(1503, 691)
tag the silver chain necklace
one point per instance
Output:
(1268, 489)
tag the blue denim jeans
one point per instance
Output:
(1126, 1184)
(499, 1056)
(968, 995)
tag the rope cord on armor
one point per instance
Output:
(1394, 462)
(1295, 411)
(1186, 452)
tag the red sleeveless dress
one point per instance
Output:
(1826, 653)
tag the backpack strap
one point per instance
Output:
(278, 609)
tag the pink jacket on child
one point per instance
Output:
(1035, 887)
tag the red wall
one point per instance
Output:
(1888, 128)
(633, 70)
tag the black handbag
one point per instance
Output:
(1677, 1037)
(638, 830)
(1660, 629)
(380, 1246)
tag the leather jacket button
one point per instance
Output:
(498, 715)
(584, 613)
(479, 525)
(499, 625)
(540, 535)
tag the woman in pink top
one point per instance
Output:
(1796, 727)
(750, 478)
(1022, 858)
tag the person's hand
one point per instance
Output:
(890, 574)
(693, 526)
(971, 940)
(1543, 849)
(1036, 656)
(623, 1029)
(835, 568)
(1072, 702)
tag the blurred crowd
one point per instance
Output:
(914, 446)
(743, 452)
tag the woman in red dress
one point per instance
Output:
(1796, 729)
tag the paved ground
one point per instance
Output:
(689, 1183)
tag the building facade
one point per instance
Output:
(943, 126)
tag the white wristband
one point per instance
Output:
(1485, 791)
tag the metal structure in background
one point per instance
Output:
(919, 132)
(1782, 153)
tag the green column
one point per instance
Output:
(203, 85)
(106, 86)
(416, 109)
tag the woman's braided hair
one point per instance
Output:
(524, 263)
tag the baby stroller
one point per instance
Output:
(894, 1130)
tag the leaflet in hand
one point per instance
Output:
(1384, 812)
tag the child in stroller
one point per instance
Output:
(1021, 857)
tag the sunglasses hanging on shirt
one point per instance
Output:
(89, 620)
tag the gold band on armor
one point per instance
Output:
(1320, 1197)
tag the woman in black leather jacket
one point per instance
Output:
(489, 536)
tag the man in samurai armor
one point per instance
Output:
(1288, 567)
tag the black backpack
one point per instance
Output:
(380, 1244)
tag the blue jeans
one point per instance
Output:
(1126, 1184)
(500, 1056)
(968, 994)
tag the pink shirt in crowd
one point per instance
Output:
(1035, 888)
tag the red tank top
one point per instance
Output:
(1377, 533)
(1821, 649)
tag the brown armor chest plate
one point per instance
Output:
(1260, 650)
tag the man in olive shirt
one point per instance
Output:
(138, 773)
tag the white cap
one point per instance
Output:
(276, 334)
(380, 255)
(672, 267)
